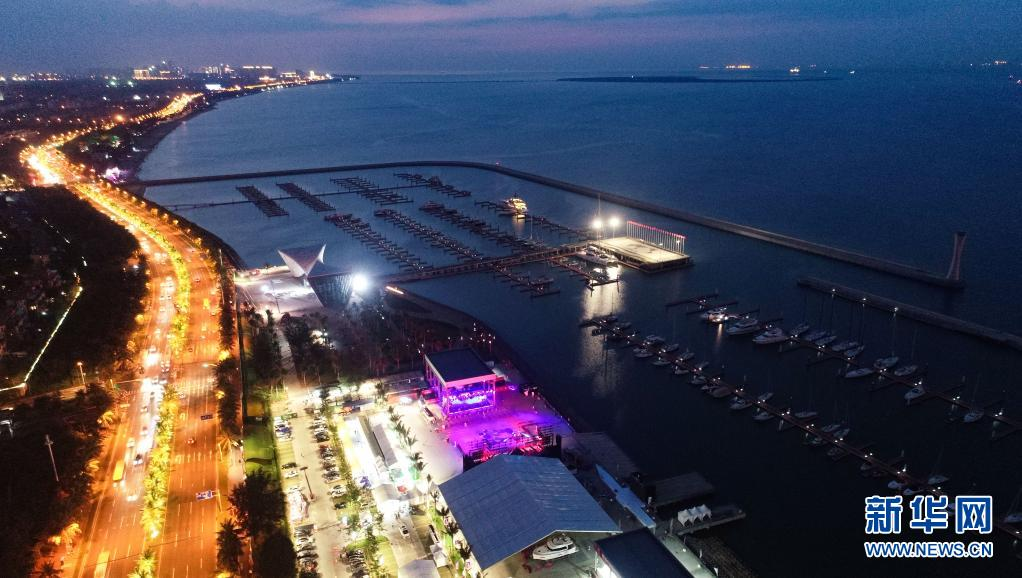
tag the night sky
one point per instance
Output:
(512, 35)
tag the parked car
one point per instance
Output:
(290, 474)
(289, 465)
(404, 531)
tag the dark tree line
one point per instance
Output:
(258, 506)
(33, 505)
(103, 319)
(228, 383)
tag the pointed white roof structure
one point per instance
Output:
(301, 260)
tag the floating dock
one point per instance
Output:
(435, 184)
(306, 198)
(370, 190)
(365, 234)
(269, 207)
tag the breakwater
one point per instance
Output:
(915, 313)
(787, 241)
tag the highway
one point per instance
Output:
(182, 278)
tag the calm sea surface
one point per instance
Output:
(883, 163)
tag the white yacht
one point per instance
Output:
(771, 335)
(710, 314)
(885, 363)
(743, 326)
(554, 548)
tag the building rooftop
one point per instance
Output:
(301, 260)
(459, 364)
(638, 554)
(509, 503)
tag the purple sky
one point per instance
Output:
(496, 35)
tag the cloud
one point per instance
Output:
(417, 12)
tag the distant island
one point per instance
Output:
(686, 79)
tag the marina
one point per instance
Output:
(787, 419)
(843, 255)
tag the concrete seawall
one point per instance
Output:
(915, 313)
(837, 254)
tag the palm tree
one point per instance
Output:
(49, 570)
(146, 565)
(229, 547)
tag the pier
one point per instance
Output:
(480, 227)
(370, 190)
(306, 198)
(434, 237)
(787, 241)
(435, 184)
(915, 313)
(365, 234)
(269, 207)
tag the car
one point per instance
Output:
(404, 531)
(131, 442)
(322, 438)
(330, 459)
(290, 474)
(191, 441)
(337, 494)
(332, 477)
(289, 465)
(145, 408)
(145, 429)
(311, 554)
(138, 459)
(307, 547)
(331, 471)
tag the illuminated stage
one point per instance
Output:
(521, 423)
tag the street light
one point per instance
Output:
(598, 225)
(81, 372)
(305, 470)
(614, 223)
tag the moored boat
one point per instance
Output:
(743, 326)
(885, 363)
(771, 335)
(799, 330)
(859, 372)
